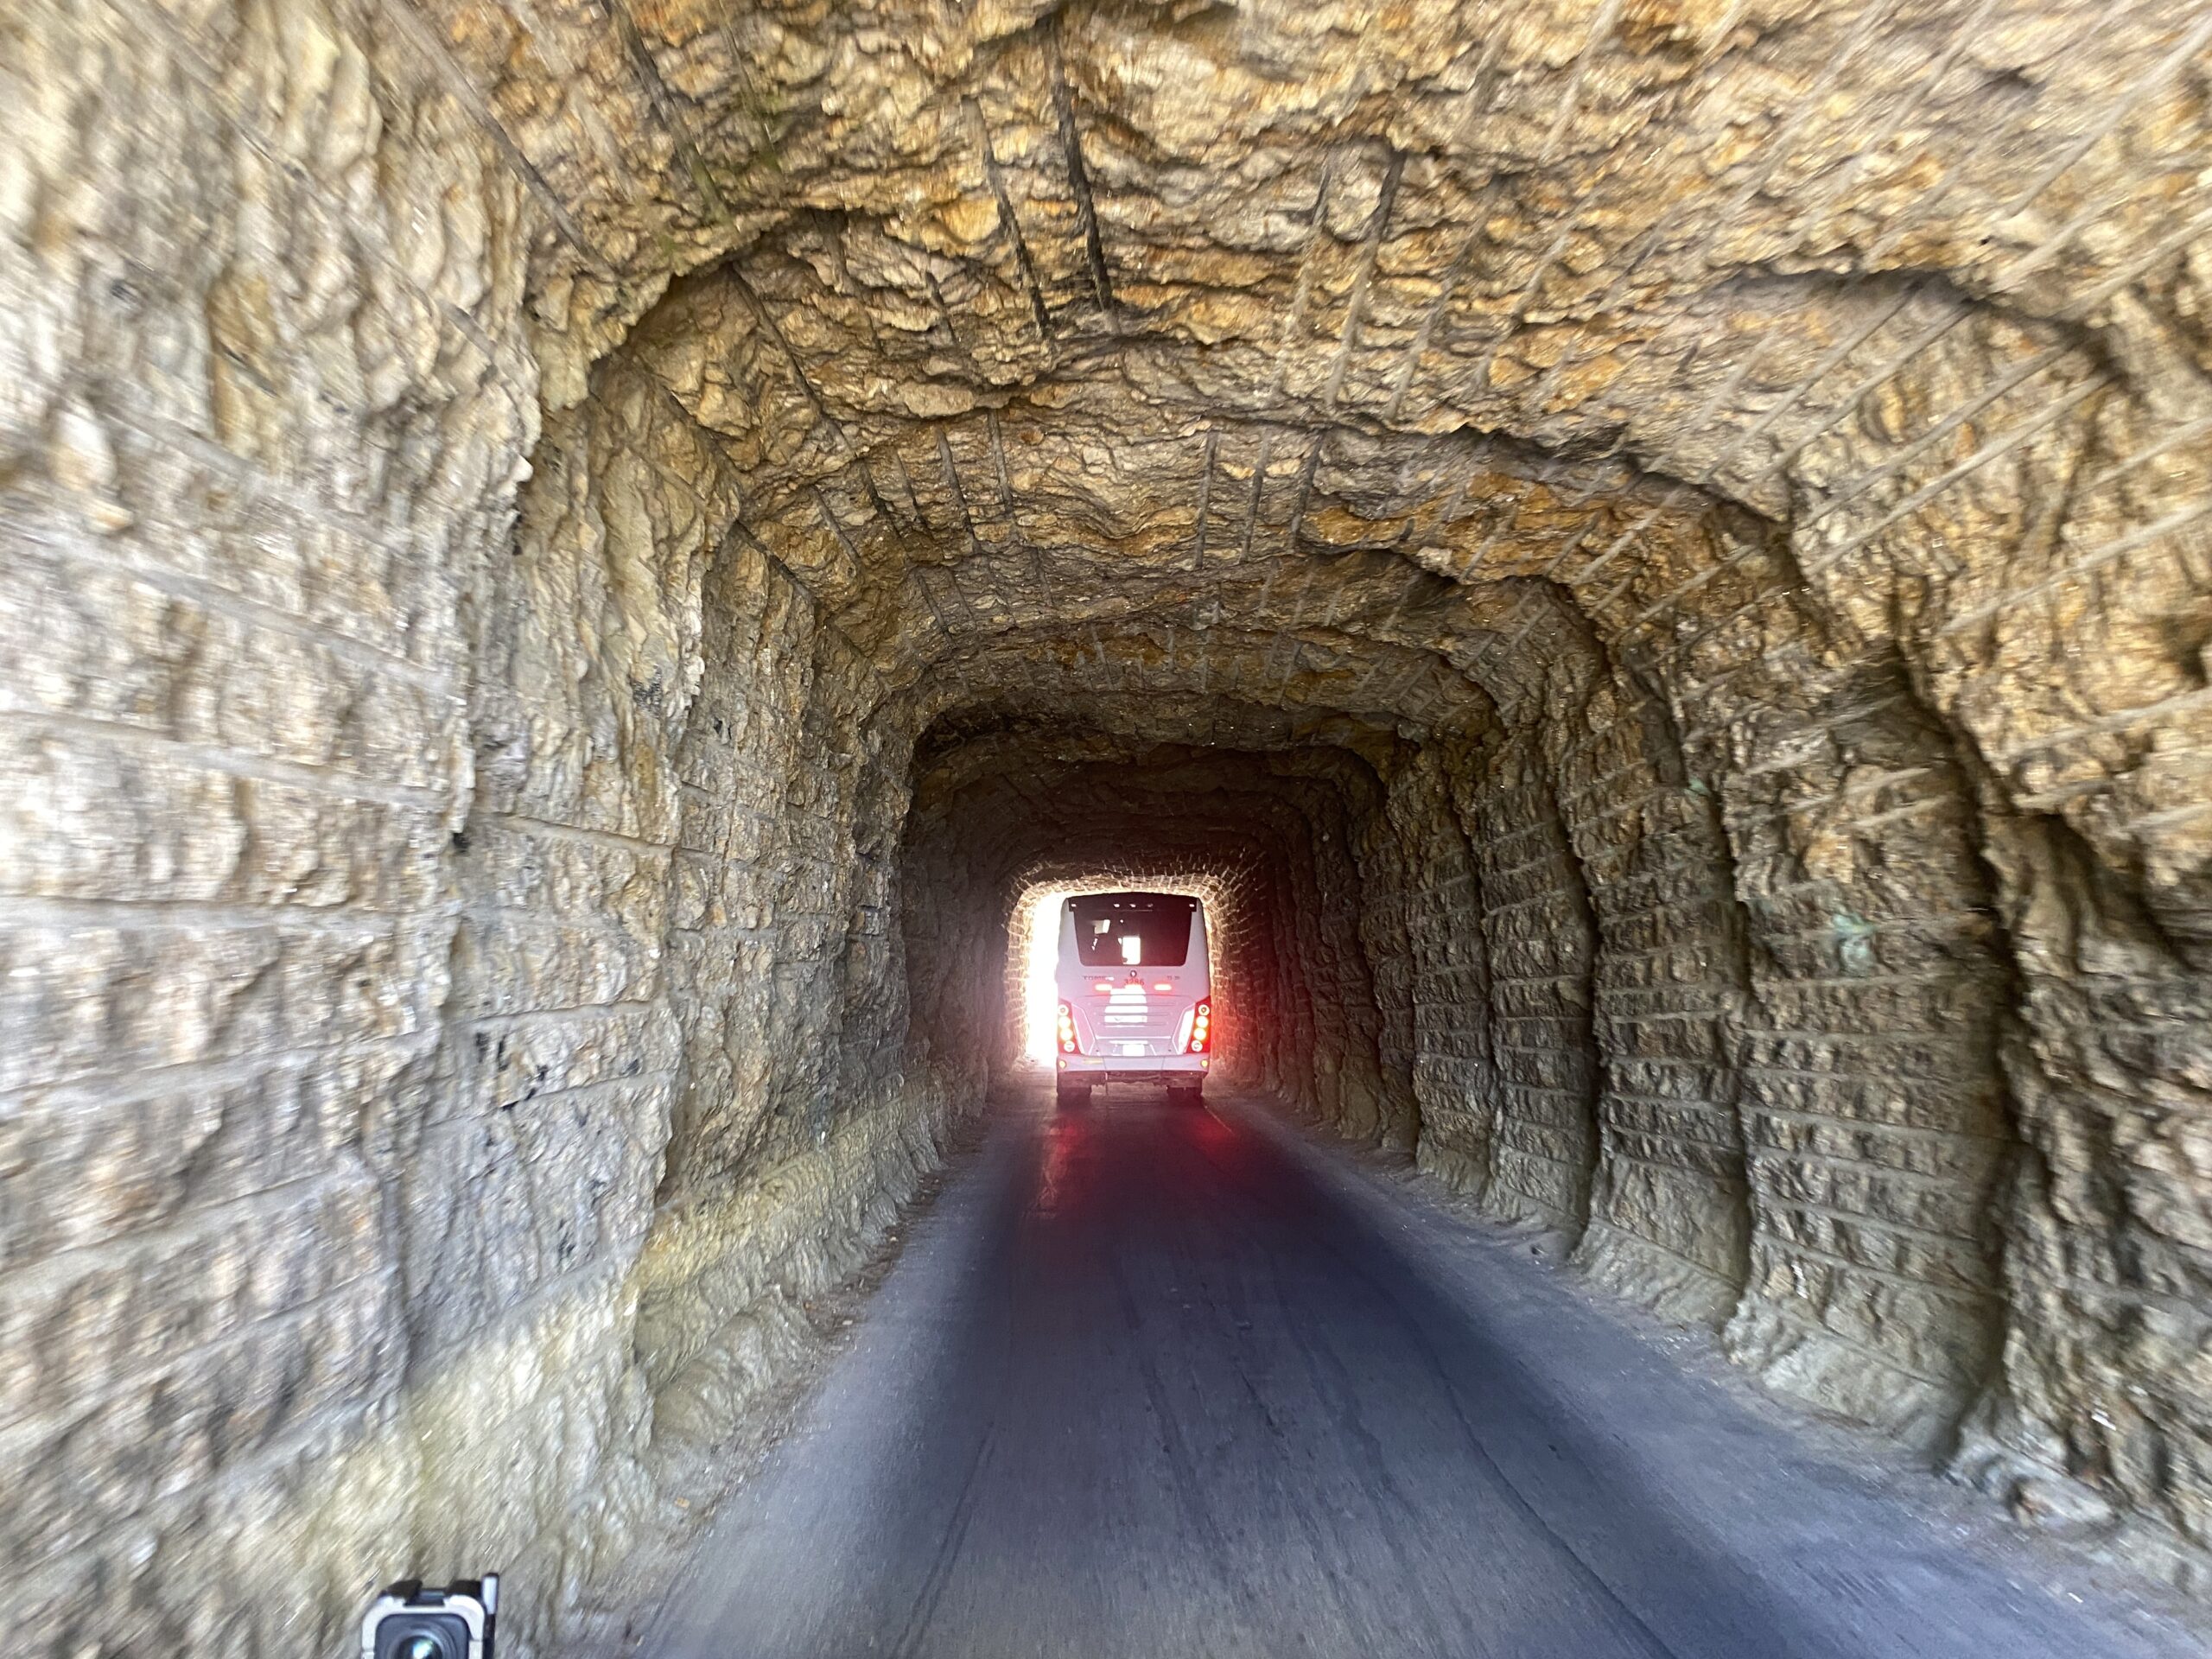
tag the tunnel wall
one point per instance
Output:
(1613, 1027)
(1534, 908)
(265, 417)
(407, 865)
(682, 1100)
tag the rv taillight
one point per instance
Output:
(1067, 1031)
(1201, 1025)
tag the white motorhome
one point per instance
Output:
(1136, 997)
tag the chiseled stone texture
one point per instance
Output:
(569, 563)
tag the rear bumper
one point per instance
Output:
(1128, 1068)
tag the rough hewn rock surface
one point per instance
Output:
(1652, 554)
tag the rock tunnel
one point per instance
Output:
(573, 564)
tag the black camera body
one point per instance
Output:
(409, 1621)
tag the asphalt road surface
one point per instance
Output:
(1150, 1380)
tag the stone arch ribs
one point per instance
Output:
(1421, 922)
(1079, 173)
(1668, 1217)
(1540, 939)
(1871, 1064)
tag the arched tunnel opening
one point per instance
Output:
(578, 573)
(1013, 813)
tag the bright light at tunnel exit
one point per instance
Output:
(1040, 998)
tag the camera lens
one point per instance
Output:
(423, 1635)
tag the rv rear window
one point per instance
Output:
(1133, 929)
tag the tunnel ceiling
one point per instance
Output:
(1397, 361)
(1034, 804)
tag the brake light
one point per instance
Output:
(1067, 1031)
(1201, 1026)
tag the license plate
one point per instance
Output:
(1135, 1048)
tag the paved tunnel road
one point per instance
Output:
(1155, 1382)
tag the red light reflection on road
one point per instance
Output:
(1214, 1136)
(1066, 1143)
